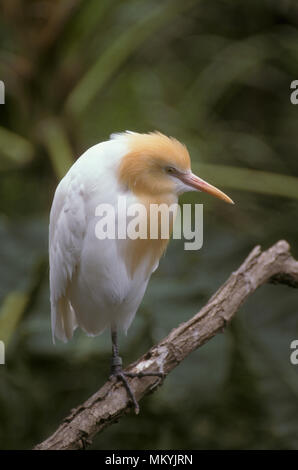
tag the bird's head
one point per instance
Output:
(157, 165)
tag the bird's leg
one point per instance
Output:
(116, 364)
(118, 372)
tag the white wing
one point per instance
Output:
(69, 220)
(66, 234)
(89, 279)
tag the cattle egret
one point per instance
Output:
(99, 283)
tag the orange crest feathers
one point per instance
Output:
(141, 168)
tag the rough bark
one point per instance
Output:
(110, 402)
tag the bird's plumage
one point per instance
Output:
(90, 279)
(95, 283)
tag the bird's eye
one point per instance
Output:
(170, 169)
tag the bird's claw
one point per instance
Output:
(121, 375)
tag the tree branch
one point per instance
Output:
(110, 402)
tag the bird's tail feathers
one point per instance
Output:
(63, 320)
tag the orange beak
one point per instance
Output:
(200, 185)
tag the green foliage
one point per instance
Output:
(11, 313)
(15, 150)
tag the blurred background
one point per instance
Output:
(217, 76)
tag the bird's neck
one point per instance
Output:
(162, 198)
(148, 251)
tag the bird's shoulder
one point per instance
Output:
(93, 173)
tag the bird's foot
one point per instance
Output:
(120, 374)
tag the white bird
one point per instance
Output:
(99, 283)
